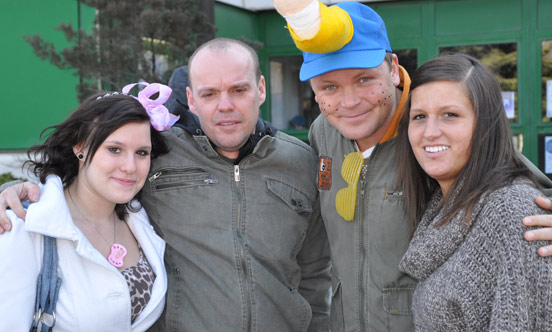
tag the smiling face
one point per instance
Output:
(226, 96)
(440, 130)
(119, 167)
(359, 103)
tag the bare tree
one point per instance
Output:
(131, 40)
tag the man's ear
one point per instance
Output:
(395, 70)
(191, 101)
(311, 84)
(262, 90)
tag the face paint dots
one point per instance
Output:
(326, 109)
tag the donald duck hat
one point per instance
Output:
(351, 35)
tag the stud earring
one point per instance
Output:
(80, 156)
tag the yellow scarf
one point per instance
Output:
(393, 129)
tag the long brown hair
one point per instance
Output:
(492, 162)
(90, 124)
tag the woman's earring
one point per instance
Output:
(80, 156)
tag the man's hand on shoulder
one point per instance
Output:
(12, 197)
(544, 221)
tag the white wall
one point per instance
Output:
(12, 162)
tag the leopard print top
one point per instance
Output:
(139, 278)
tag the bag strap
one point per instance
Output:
(47, 292)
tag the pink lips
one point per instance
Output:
(125, 182)
(227, 124)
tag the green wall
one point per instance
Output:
(233, 22)
(35, 94)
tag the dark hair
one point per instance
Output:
(492, 162)
(223, 44)
(389, 59)
(90, 124)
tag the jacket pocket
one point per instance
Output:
(293, 197)
(397, 304)
(337, 322)
(171, 178)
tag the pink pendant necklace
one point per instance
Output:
(118, 251)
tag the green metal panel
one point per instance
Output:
(544, 14)
(476, 16)
(429, 48)
(233, 22)
(403, 20)
(526, 111)
(278, 34)
(35, 94)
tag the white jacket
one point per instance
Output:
(94, 295)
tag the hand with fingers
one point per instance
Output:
(544, 221)
(12, 197)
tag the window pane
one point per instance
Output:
(545, 153)
(518, 142)
(502, 60)
(408, 59)
(292, 103)
(546, 80)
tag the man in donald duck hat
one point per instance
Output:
(362, 92)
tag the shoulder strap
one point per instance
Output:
(48, 289)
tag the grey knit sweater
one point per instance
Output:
(485, 277)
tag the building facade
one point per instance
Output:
(512, 37)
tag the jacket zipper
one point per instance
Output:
(157, 174)
(361, 291)
(237, 173)
(179, 184)
(243, 262)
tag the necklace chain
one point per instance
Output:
(118, 251)
(90, 223)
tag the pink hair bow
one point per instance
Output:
(160, 117)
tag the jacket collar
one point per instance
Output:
(50, 215)
(190, 123)
(393, 129)
(432, 245)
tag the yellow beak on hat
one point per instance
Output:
(336, 30)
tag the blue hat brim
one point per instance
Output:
(341, 60)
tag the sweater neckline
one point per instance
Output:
(432, 245)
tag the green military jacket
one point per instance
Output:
(369, 291)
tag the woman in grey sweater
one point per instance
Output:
(466, 191)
